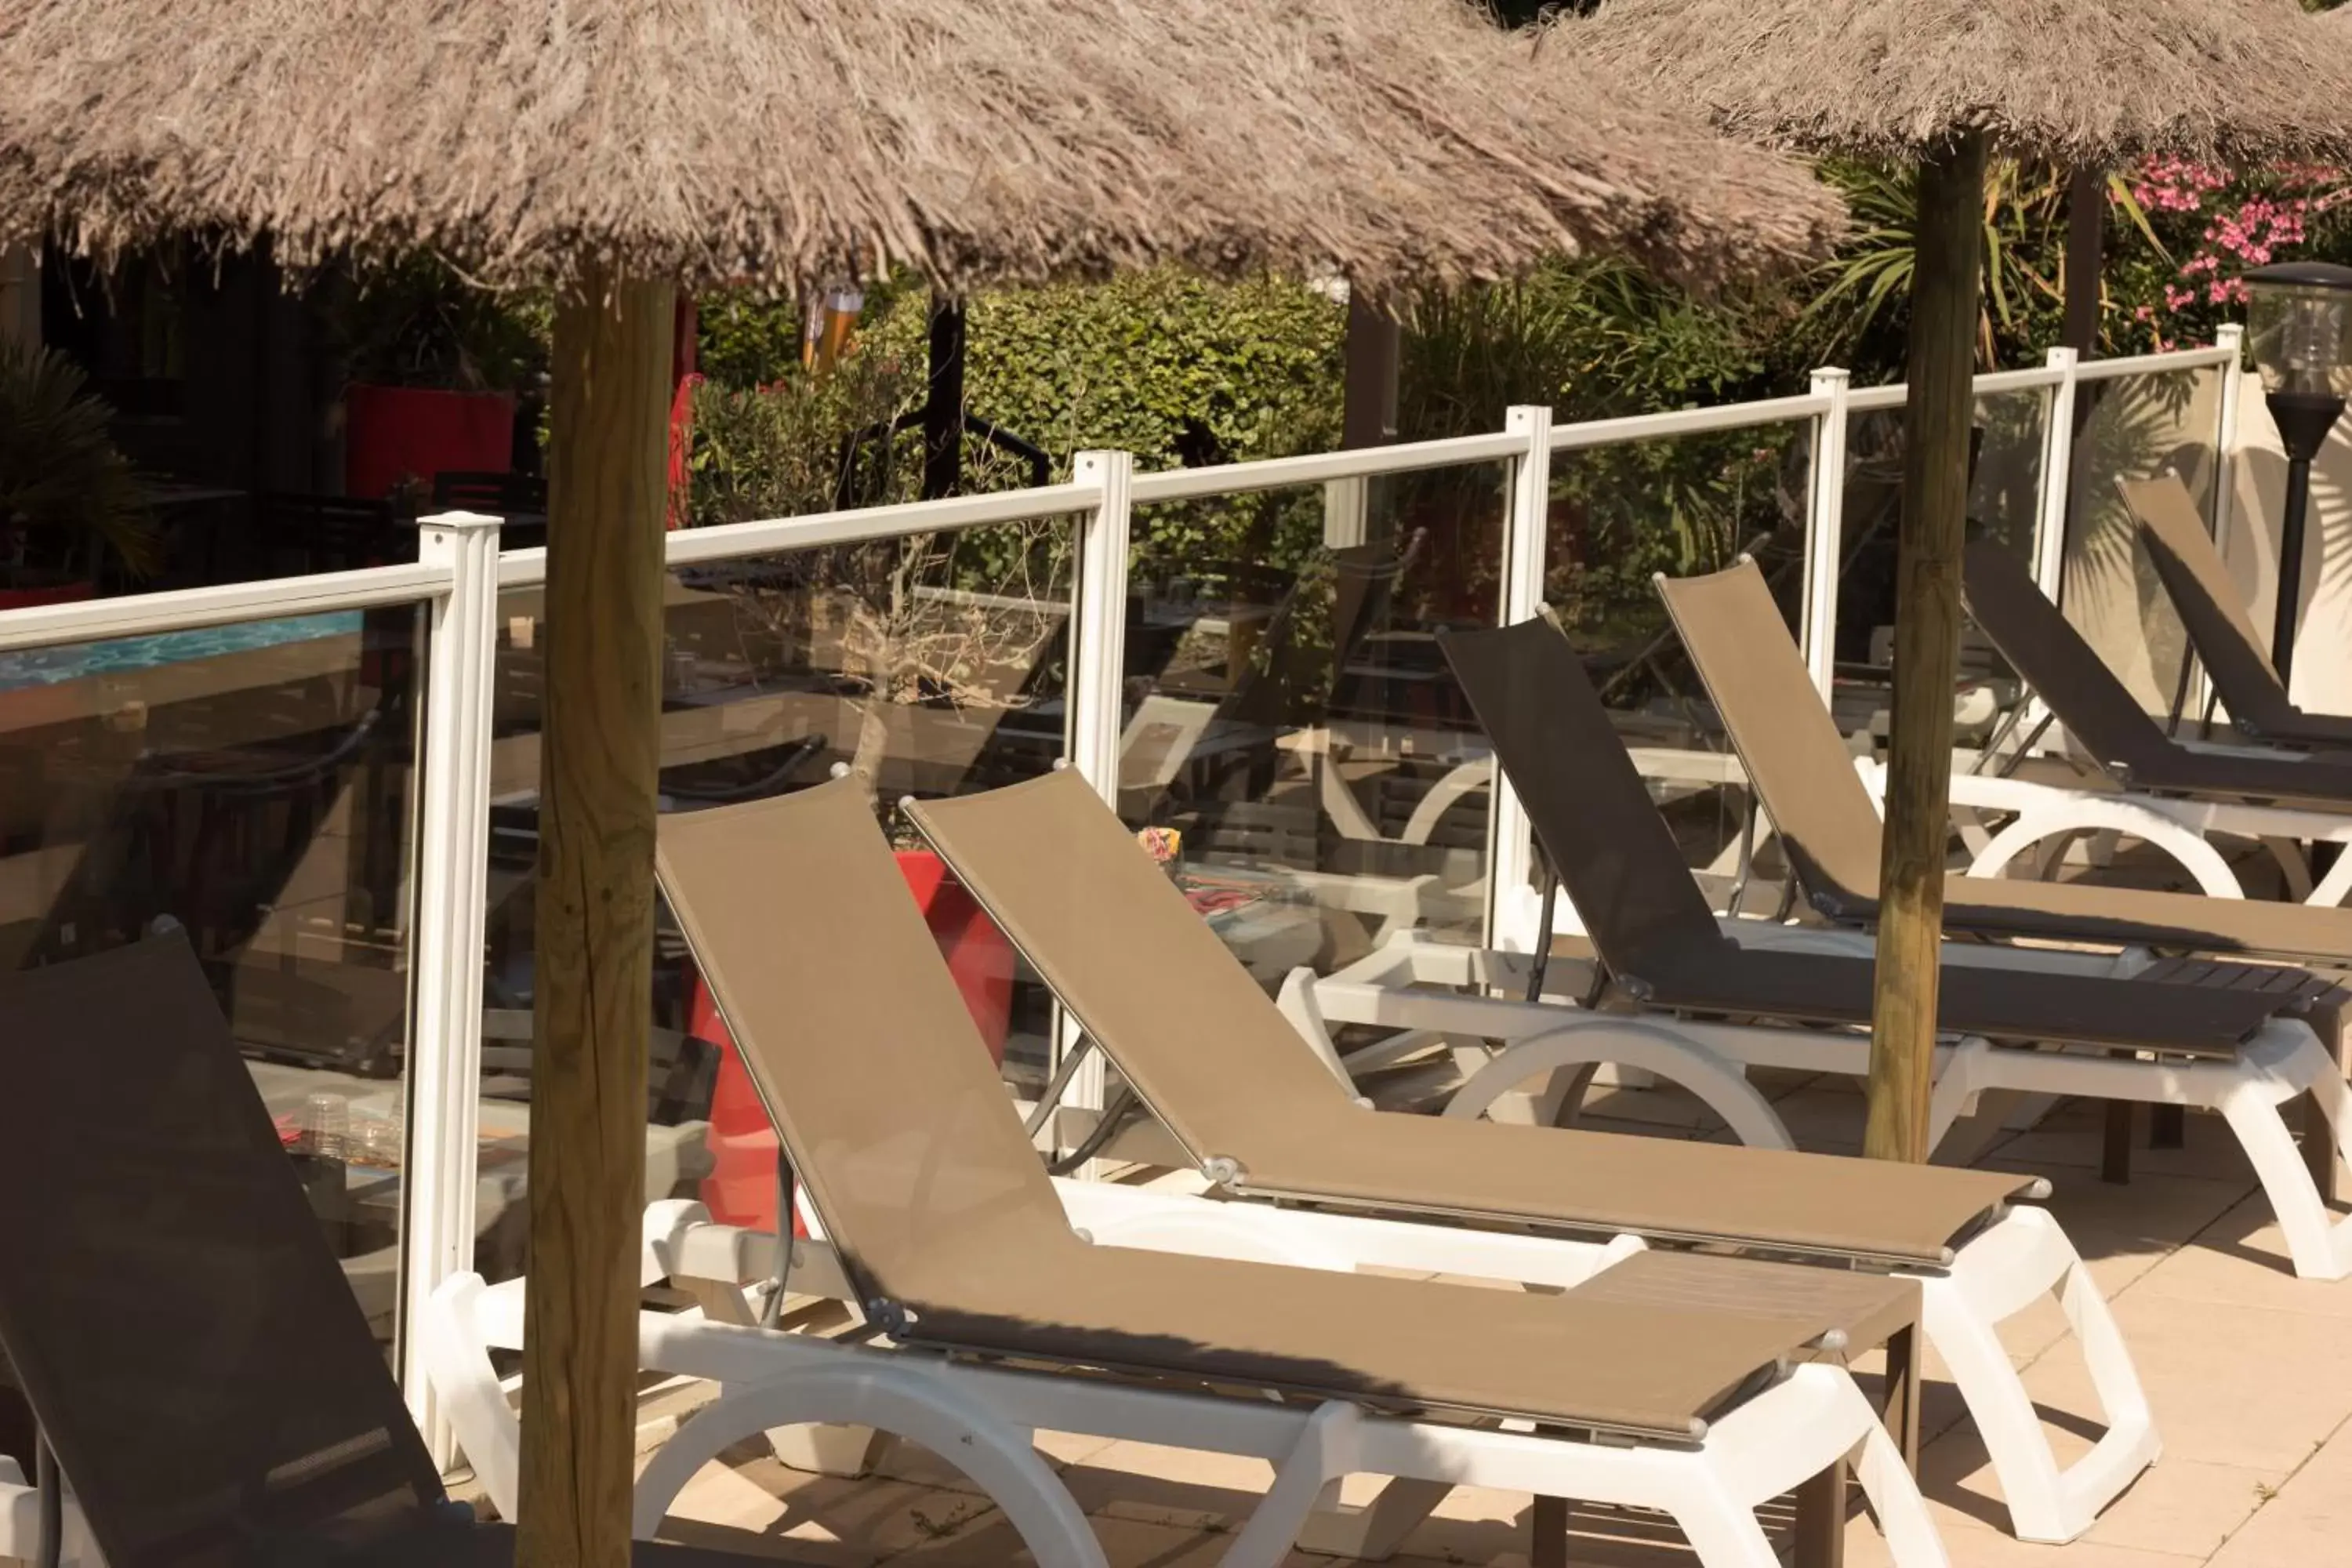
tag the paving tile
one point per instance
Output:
(2241, 1261)
(2308, 1524)
(2251, 1386)
(852, 1524)
(1973, 1548)
(2122, 1232)
(1161, 1484)
(2209, 1149)
(992, 1541)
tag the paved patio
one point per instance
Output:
(2250, 1372)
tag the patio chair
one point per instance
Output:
(1214, 1059)
(1829, 828)
(1001, 1318)
(2160, 1038)
(2107, 723)
(186, 1340)
(2198, 580)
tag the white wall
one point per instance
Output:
(2323, 661)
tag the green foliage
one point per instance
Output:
(1593, 339)
(62, 480)
(1162, 364)
(416, 324)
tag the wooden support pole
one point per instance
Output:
(1944, 296)
(599, 767)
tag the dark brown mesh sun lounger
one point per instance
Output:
(1660, 942)
(952, 1233)
(2104, 719)
(2198, 580)
(1211, 1056)
(1829, 828)
(187, 1341)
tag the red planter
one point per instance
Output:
(396, 433)
(55, 594)
(741, 1186)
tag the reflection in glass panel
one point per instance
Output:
(2134, 428)
(250, 785)
(1684, 506)
(1289, 715)
(2005, 475)
(934, 665)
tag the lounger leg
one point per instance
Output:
(1372, 1533)
(1722, 1085)
(1547, 1526)
(2316, 1239)
(2319, 1244)
(2002, 1273)
(2115, 1148)
(1894, 1500)
(1821, 1519)
(1327, 1450)
(909, 1401)
(1898, 1408)
(1725, 1535)
(2319, 1149)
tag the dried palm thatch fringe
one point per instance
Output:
(2082, 82)
(977, 141)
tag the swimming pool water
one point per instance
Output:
(73, 661)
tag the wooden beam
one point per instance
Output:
(1943, 296)
(598, 769)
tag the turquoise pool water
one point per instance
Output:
(73, 661)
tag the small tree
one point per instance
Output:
(947, 620)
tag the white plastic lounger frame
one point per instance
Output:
(1998, 1273)
(1411, 983)
(2041, 812)
(982, 1419)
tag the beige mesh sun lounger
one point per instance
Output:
(957, 1244)
(1827, 824)
(1261, 1116)
(2198, 580)
(1829, 829)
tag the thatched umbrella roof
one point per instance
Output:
(793, 140)
(2082, 82)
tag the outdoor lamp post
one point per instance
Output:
(2300, 330)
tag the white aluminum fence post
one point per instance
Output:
(1825, 528)
(1097, 677)
(2232, 339)
(445, 1055)
(2057, 476)
(1511, 903)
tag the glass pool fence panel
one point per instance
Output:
(2135, 426)
(931, 664)
(1683, 505)
(1287, 714)
(249, 784)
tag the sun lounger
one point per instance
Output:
(188, 1344)
(2234, 654)
(1828, 827)
(1261, 1116)
(2158, 1038)
(2108, 724)
(1002, 1318)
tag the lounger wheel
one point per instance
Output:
(2072, 815)
(1719, 1084)
(907, 1403)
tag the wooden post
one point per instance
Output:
(1944, 298)
(2086, 237)
(599, 767)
